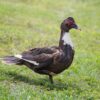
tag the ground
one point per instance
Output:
(26, 24)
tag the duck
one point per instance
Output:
(48, 60)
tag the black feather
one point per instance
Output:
(11, 60)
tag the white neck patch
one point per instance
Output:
(67, 40)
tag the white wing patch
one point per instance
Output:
(30, 61)
(18, 56)
(67, 40)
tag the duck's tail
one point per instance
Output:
(11, 60)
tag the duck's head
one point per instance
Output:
(68, 24)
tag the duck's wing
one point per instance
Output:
(40, 57)
(37, 51)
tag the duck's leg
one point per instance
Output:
(46, 72)
(51, 79)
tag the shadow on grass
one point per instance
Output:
(39, 82)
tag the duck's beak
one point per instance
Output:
(76, 27)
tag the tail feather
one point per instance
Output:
(10, 60)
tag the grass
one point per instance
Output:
(35, 23)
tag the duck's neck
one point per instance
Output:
(65, 40)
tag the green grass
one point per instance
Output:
(35, 23)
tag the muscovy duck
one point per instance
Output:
(48, 60)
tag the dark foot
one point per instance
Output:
(46, 72)
(51, 79)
